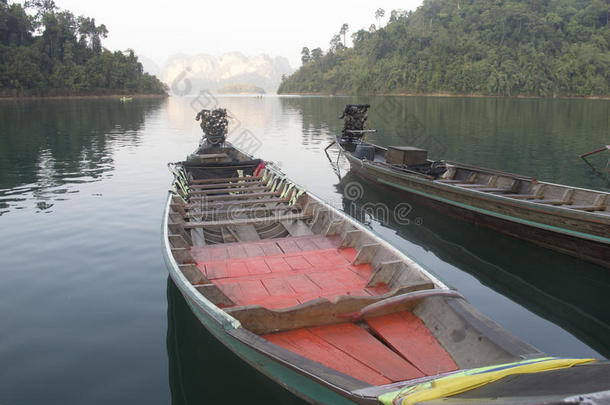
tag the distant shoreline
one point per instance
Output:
(82, 96)
(448, 95)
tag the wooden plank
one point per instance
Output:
(227, 236)
(182, 255)
(214, 294)
(366, 253)
(252, 210)
(587, 207)
(308, 345)
(358, 343)
(213, 156)
(245, 221)
(246, 233)
(178, 241)
(385, 272)
(334, 227)
(252, 291)
(317, 312)
(178, 209)
(241, 190)
(470, 185)
(203, 206)
(552, 202)
(449, 181)
(193, 274)
(297, 228)
(522, 196)
(235, 196)
(178, 229)
(493, 190)
(225, 179)
(247, 184)
(198, 237)
(406, 334)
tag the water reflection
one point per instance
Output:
(559, 288)
(203, 371)
(48, 146)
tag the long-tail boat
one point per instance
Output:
(323, 306)
(571, 220)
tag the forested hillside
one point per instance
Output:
(48, 51)
(488, 47)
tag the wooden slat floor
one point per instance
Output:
(283, 272)
(399, 347)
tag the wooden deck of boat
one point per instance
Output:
(283, 272)
(386, 349)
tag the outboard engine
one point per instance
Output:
(214, 124)
(354, 118)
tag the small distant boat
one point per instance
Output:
(126, 99)
(571, 220)
(326, 308)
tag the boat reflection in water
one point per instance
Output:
(566, 291)
(203, 371)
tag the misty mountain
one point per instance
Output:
(190, 74)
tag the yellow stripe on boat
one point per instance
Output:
(467, 380)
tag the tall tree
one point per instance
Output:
(343, 31)
(305, 56)
(316, 54)
(379, 13)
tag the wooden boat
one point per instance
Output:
(321, 305)
(571, 220)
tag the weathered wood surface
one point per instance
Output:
(248, 221)
(244, 185)
(304, 343)
(214, 294)
(256, 201)
(320, 311)
(193, 213)
(407, 335)
(229, 197)
(231, 191)
(225, 179)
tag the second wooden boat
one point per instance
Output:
(327, 309)
(571, 220)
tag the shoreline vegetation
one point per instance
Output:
(81, 96)
(448, 95)
(506, 48)
(47, 52)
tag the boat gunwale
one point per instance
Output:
(493, 171)
(524, 204)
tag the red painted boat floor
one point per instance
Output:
(410, 351)
(280, 273)
(406, 334)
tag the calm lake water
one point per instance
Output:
(88, 314)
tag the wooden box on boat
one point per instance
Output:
(406, 155)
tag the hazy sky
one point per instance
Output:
(158, 29)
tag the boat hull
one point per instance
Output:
(235, 338)
(541, 225)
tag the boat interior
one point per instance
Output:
(309, 280)
(486, 181)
